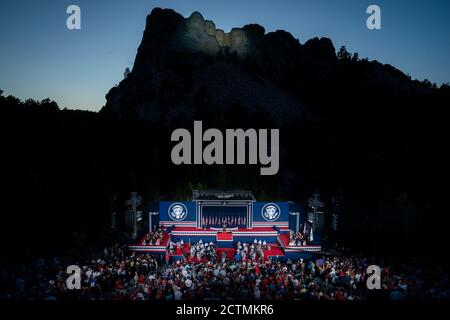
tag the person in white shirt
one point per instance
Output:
(177, 294)
(257, 293)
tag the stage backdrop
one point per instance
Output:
(271, 214)
(178, 214)
(265, 214)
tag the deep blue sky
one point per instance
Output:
(40, 58)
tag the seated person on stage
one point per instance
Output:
(301, 240)
(154, 238)
(297, 239)
(253, 252)
(265, 246)
(291, 238)
(201, 252)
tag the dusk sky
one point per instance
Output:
(40, 57)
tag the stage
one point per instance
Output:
(226, 218)
(278, 240)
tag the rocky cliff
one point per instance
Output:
(183, 63)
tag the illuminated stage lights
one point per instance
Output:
(235, 139)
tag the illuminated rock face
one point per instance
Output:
(167, 31)
(201, 35)
(210, 27)
(238, 42)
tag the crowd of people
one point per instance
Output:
(251, 251)
(117, 274)
(154, 238)
(204, 251)
(297, 239)
(193, 252)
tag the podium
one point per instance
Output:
(224, 239)
(224, 236)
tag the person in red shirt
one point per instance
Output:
(141, 279)
(167, 258)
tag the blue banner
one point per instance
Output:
(177, 212)
(269, 212)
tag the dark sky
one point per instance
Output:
(40, 57)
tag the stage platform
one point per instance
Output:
(276, 238)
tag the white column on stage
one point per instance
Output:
(297, 221)
(250, 225)
(200, 216)
(150, 223)
(249, 216)
(150, 220)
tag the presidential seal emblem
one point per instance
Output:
(177, 211)
(270, 212)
